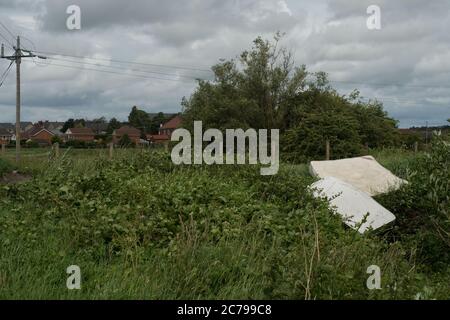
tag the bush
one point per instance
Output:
(56, 139)
(31, 144)
(422, 207)
(125, 141)
(77, 144)
(307, 141)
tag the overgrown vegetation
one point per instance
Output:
(140, 227)
(423, 206)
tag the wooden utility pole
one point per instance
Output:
(17, 58)
(18, 62)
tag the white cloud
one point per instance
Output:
(283, 8)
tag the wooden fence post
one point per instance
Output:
(111, 150)
(416, 147)
(56, 146)
(327, 150)
(3, 149)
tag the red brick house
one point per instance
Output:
(165, 131)
(39, 134)
(169, 127)
(133, 133)
(80, 134)
(158, 138)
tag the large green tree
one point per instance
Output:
(113, 124)
(71, 123)
(254, 91)
(139, 119)
(264, 89)
(156, 122)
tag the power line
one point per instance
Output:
(10, 33)
(117, 73)
(404, 101)
(210, 71)
(128, 69)
(5, 74)
(8, 42)
(7, 30)
(125, 62)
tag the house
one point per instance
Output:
(39, 134)
(11, 127)
(80, 134)
(165, 131)
(53, 126)
(97, 127)
(58, 133)
(158, 138)
(132, 133)
(169, 127)
(5, 136)
(25, 126)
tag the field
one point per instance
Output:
(141, 228)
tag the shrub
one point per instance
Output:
(125, 141)
(422, 206)
(56, 139)
(77, 144)
(31, 144)
(307, 141)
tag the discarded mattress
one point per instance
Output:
(364, 173)
(358, 210)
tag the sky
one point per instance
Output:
(405, 64)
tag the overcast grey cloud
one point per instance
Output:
(406, 64)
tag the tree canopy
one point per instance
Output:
(264, 89)
(71, 123)
(145, 122)
(113, 124)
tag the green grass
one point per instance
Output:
(35, 160)
(142, 228)
(5, 166)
